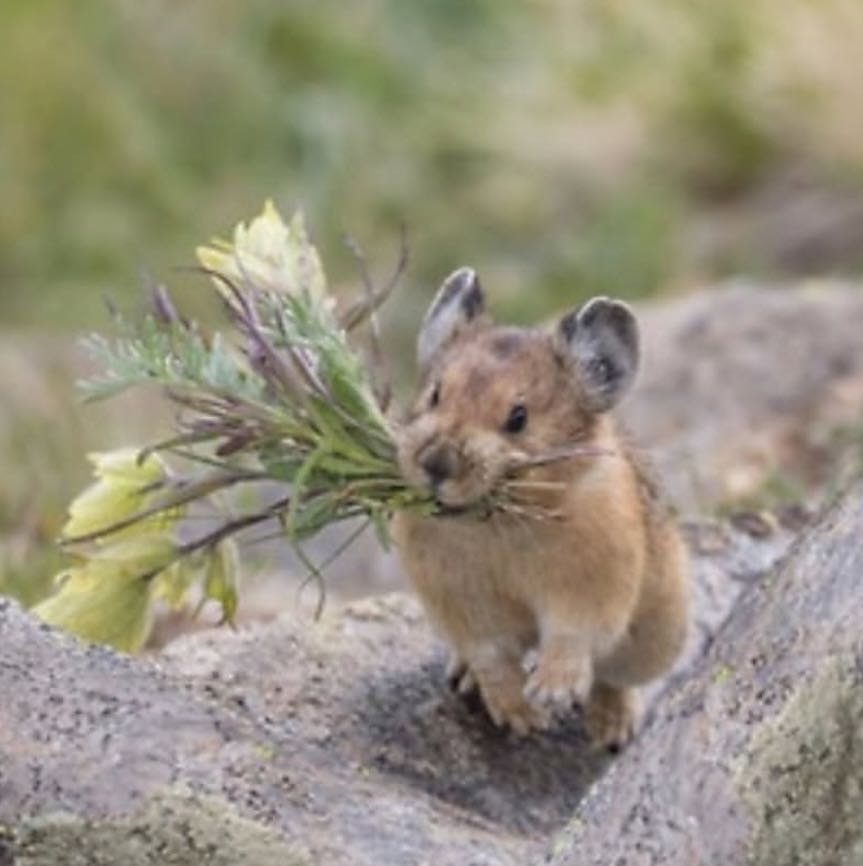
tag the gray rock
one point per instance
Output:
(169, 830)
(758, 758)
(333, 742)
(743, 385)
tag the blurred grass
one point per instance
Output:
(45, 435)
(563, 149)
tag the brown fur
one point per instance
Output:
(540, 613)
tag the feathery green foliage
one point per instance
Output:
(282, 398)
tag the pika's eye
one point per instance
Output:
(517, 419)
(434, 397)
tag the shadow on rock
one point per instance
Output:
(422, 735)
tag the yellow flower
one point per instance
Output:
(144, 554)
(107, 599)
(122, 489)
(174, 583)
(274, 255)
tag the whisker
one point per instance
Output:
(558, 455)
(528, 484)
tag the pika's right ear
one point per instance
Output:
(458, 309)
(600, 341)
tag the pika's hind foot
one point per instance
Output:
(459, 676)
(612, 716)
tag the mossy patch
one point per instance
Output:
(803, 777)
(175, 829)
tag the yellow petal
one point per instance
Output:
(141, 554)
(124, 464)
(273, 255)
(217, 257)
(123, 489)
(265, 238)
(107, 599)
(101, 607)
(173, 584)
(309, 271)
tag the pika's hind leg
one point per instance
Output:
(612, 715)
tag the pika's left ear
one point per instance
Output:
(457, 312)
(600, 340)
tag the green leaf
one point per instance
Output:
(381, 527)
(220, 581)
(173, 356)
(293, 520)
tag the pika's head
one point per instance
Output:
(493, 395)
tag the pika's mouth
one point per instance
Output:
(444, 510)
(481, 509)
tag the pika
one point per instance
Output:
(540, 614)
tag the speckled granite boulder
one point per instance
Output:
(293, 742)
(744, 384)
(757, 760)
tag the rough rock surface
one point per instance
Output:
(291, 742)
(758, 758)
(741, 385)
(298, 743)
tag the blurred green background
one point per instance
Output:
(564, 149)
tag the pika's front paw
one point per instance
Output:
(612, 716)
(556, 680)
(507, 707)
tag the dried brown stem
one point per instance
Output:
(233, 526)
(360, 309)
(378, 369)
(183, 494)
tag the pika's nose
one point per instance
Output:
(440, 462)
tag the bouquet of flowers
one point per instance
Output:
(281, 397)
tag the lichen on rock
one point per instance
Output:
(172, 829)
(802, 774)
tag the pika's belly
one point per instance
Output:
(472, 576)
